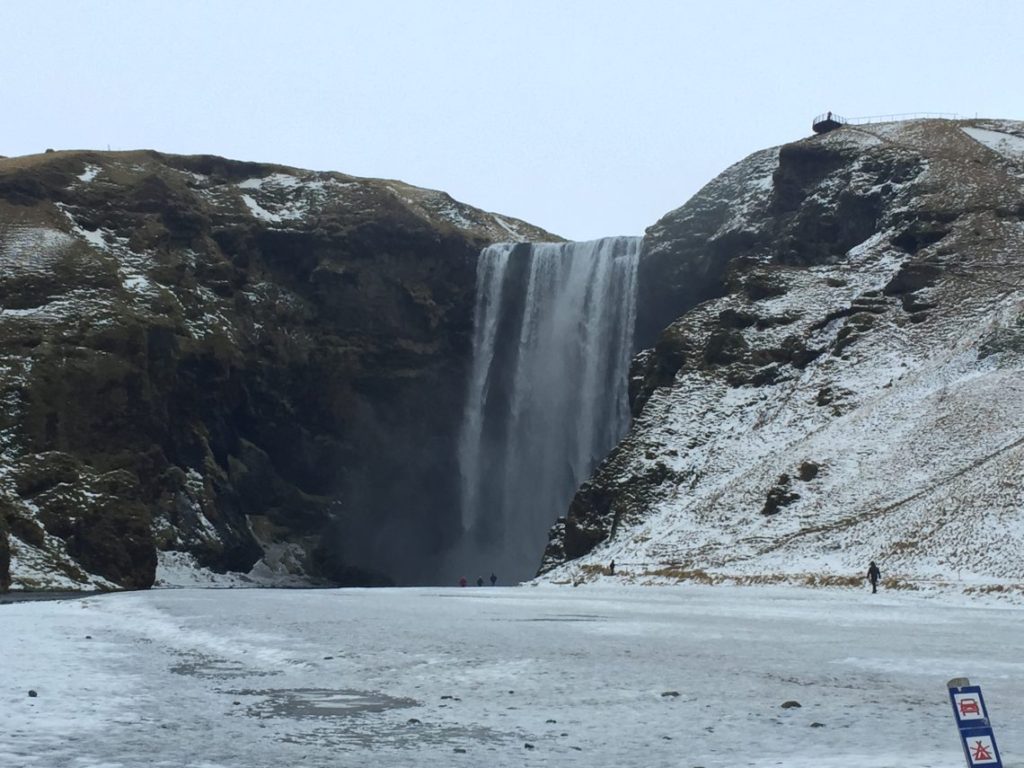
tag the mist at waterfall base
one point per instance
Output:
(546, 398)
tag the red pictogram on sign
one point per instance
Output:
(969, 707)
(980, 752)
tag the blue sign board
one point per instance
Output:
(972, 721)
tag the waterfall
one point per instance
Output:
(546, 398)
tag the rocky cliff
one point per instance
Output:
(242, 366)
(842, 379)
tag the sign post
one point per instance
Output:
(972, 721)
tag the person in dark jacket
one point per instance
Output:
(873, 576)
(494, 579)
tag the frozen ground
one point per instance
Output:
(470, 677)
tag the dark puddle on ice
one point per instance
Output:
(346, 717)
(198, 665)
(301, 703)
(378, 735)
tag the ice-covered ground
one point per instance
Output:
(529, 676)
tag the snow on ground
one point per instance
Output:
(34, 568)
(26, 249)
(279, 180)
(90, 173)
(280, 566)
(260, 212)
(1005, 144)
(532, 676)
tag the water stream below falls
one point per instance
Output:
(546, 397)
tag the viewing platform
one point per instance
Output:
(828, 122)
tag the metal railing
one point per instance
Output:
(904, 116)
(832, 116)
(824, 117)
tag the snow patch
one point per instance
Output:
(1009, 146)
(259, 212)
(181, 569)
(90, 173)
(24, 248)
(274, 180)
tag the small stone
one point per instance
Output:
(460, 750)
(672, 694)
(817, 725)
(236, 703)
(809, 470)
(528, 745)
(790, 704)
(32, 694)
(413, 721)
(88, 637)
(563, 734)
(328, 658)
(551, 722)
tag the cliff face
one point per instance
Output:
(848, 389)
(242, 363)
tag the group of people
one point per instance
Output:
(874, 575)
(479, 581)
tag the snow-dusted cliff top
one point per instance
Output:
(855, 394)
(209, 358)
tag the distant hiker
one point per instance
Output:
(479, 581)
(463, 582)
(829, 116)
(494, 579)
(873, 576)
(611, 568)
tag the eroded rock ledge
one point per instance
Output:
(238, 361)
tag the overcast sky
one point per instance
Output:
(585, 117)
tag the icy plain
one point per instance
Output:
(598, 675)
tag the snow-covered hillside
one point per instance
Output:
(857, 391)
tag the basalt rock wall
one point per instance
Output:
(245, 364)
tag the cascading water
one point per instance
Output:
(546, 399)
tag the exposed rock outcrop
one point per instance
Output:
(854, 297)
(238, 361)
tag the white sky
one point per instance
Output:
(586, 117)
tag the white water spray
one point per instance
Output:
(547, 400)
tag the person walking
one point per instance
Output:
(494, 579)
(873, 576)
